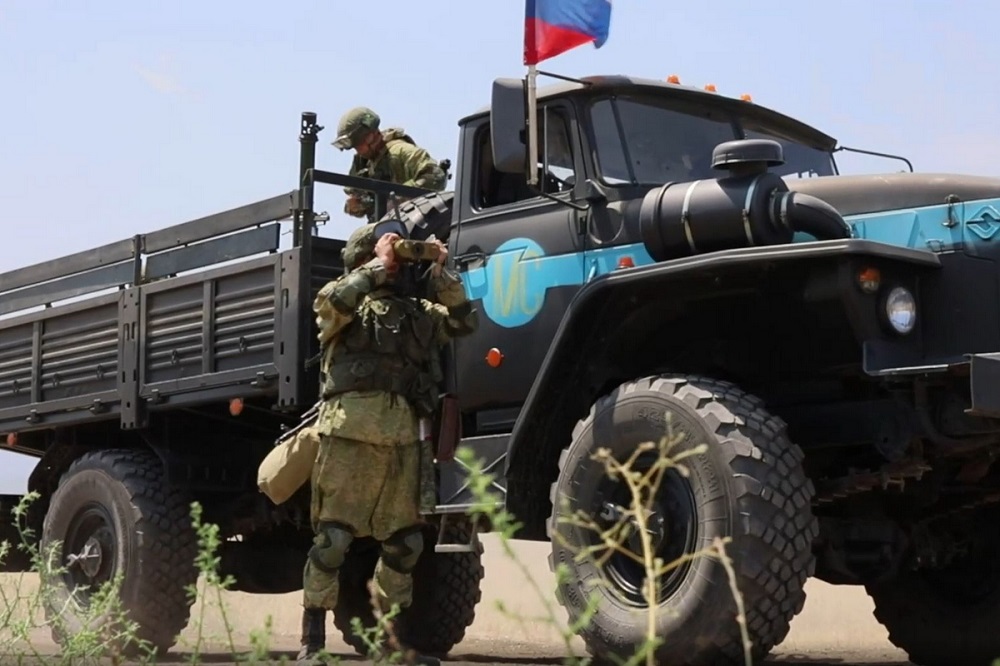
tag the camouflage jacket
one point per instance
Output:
(403, 162)
(377, 416)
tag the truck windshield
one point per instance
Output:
(644, 143)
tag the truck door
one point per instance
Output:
(520, 256)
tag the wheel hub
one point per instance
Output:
(90, 547)
(89, 558)
(670, 525)
(655, 525)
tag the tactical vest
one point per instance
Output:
(380, 170)
(388, 346)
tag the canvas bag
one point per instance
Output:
(289, 465)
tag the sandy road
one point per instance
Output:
(836, 626)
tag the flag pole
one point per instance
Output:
(531, 126)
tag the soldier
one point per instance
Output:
(390, 156)
(379, 378)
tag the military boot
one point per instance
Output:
(313, 636)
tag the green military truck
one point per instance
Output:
(832, 339)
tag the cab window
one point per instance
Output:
(556, 165)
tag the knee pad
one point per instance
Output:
(402, 549)
(330, 548)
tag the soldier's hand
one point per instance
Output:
(384, 251)
(442, 257)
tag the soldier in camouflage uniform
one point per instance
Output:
(379, 377)
(391, 156)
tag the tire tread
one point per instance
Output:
(774, 529)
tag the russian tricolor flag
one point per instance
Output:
(552, 27)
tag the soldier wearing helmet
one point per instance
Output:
(389, 155)
(380, 376)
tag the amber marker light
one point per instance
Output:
(746, 97)
(236, 406)
(869, 280)
(494, 357)
(673, 78)
(12, 439)
(626, 262)
(710, 87)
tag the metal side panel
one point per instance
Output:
(302, 276)
(104, 255)
(205, 331)
(225, 248)
(292, 346)
(16, 345)
(67, 287)
(132, 414)
(59, 363)
(454, 493)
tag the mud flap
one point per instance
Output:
(984, 385)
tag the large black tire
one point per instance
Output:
(118, 501)
(947, 616)
(446, 591)
(749, 486)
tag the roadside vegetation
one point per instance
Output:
(102, 633)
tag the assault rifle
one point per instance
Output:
(308, 419)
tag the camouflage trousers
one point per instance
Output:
(371, 490)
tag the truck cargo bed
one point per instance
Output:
(237, 330)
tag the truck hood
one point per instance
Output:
(858, 195)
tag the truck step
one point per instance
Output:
(474, 545)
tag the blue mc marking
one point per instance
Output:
(512, 284)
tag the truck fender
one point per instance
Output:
(549, 413)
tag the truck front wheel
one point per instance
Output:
(749, 486)
(113, 515)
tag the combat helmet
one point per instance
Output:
(360, 244)
(353, 124)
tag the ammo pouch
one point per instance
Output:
(382, 372)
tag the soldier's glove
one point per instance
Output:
(448, 288)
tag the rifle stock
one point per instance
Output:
(308, 419)
(447, 428)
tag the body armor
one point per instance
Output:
(388, 346)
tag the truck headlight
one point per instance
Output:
(901, 310)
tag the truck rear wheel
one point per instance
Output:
(947, 615)
(749, 486)
(114, 515)
(446, 590)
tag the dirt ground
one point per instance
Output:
(836, 626)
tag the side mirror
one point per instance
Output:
(508, 125)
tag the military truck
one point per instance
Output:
(673, 256)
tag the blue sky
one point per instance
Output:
(119, 118)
